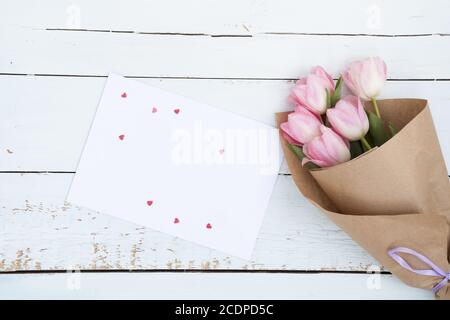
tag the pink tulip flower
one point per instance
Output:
(302, 126)
(320, 72)
(349, 119)
(326, 150)
(311, 92)
(366, 78)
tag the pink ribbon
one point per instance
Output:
(435, 271)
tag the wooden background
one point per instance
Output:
(239, 55)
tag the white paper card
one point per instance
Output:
(178, 166)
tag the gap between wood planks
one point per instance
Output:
(194, 78)
(66, 172)
(199, 34)
(195, 271)
(74, 172)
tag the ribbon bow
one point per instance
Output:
(435, 271)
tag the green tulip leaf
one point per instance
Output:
(311, 165)
(337, 92)
(393, 129)
(377, 129)
(298, 151)
(356, 149)
(369, 139)
(328, 98)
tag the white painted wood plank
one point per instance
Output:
(206, 286)
(31, 51)
(44, 121)
(38, 107)
(39, 231)
(233, 16)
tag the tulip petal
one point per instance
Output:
(381, 65)
(317, 152)
(316, 94)
(344, 124)
(321, 73)
(352, 78)
(311, 91)
(286, 130)
(304, 125)
(298, 94)
(335, 145)
(372, 77)
(348, 118)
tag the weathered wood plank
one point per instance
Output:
(206, 286)
(44, 121)
(237, 17)
(33, 51)
(40, 231)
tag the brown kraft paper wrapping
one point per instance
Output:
(394, 195)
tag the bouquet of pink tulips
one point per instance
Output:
(375, 168)
(325, 129)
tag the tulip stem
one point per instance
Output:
(375, 105)
(365, 143)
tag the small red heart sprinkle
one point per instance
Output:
(176, 220)
(222, 151)
(177, 111)
(149, 202)
(124, 95)
(209, 226)
(154, 110)
(122, 136)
